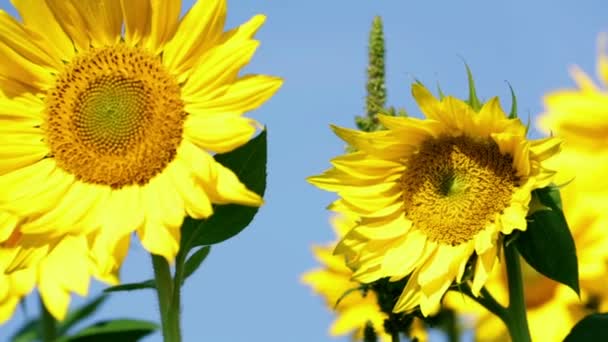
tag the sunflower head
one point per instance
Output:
(434, 194)
(111, 112)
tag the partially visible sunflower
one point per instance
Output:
(431, 193)
(57, 266)
(580, 118)
(546, 300)
(110, 112)
(355, 309)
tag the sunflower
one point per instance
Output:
(354, 309)
(110, 112)
(579, 118)
(431, 193)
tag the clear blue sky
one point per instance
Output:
(249, 289)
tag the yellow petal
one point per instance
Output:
(24, 43)
(164, 18)
(428, 104)
(19, 68)
(245, 31)
(227, 188)
(400, 260)
(219, 66)
(136, 14)
(483, 268)
(196, 201)
(38, 17)
(384, 228)
(219, 132)
(198, 31)
(155, 236)
(246, 94)
(71, 22)
(103, 20)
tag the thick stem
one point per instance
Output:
(516, 320)
(395, 336)
(48, 325)
(164, 289)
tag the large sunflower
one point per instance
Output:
(433, 192)
(354, 309)
(110, 112)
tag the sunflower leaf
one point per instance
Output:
(248, 162)
(547, 244)
(81, 313)
(195, 260)
(119, 330)
(146, 284)
(594, 327)
(28, 332)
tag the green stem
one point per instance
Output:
(516, 320)
(164, 289)
(48, 325)
(395, 336)
(486, 300)
(175, 308)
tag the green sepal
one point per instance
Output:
(547, 244)
(513, 112)
(118, 330)
(440, 92)
(593, 327)
(248, 162)
(473, 100)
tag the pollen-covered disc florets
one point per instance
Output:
(114, 117)
(454, 186)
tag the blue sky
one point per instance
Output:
(249, 288)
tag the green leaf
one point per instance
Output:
(80, 313)
(195, 260)
(147, 284)
(513, 113)
(594, 327)
(248, 162)
(547, 244)
(119, 330)
(28, 332)
(473, 101)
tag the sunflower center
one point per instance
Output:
(115, 117)
(454, 186)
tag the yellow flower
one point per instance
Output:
(580, 118)
(433, 192)
(354, 310)
(110, 112)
